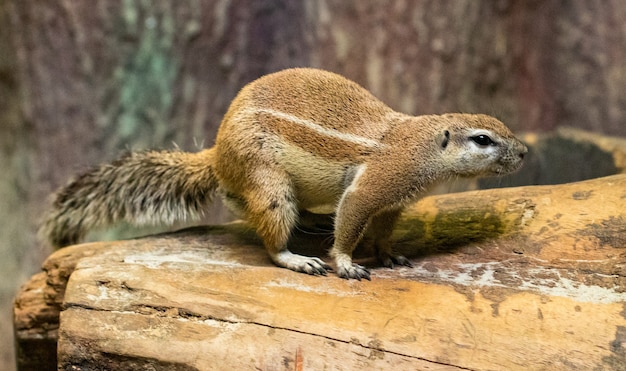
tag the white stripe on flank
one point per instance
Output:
(318, 128)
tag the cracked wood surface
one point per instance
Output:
(519, 278)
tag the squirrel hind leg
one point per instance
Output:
(272, 208)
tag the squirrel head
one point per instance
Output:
(478, 145)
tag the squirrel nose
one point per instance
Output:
(523, 151)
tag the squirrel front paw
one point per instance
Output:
(354, 271)
(390, 260)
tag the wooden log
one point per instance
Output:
(36, 325)
(517, 279)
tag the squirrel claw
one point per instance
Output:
(315, 267)
(354, 271)
(303, 264)
(390, 261)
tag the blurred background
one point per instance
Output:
(81, 81)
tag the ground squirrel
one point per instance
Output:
(299, 139)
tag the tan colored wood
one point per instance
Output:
(211, 309)
(35, 326)
(515, 279)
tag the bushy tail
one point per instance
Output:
(152, 187)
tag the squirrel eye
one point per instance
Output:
(483, 140)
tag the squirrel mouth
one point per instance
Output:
(508, 167)
(504, 168)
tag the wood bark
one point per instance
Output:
(519, 278)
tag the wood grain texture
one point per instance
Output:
(515, 279)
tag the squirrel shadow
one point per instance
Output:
(413, 237)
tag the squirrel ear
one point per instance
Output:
(443, 139)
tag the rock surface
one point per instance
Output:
(519, 278)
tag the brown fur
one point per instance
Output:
(294, 140)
